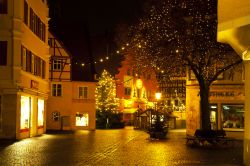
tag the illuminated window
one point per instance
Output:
(82, 119)
(3, 53)
(3, 6)
(233, 116)
(83, 92)
(40, 112)
(57, 64)
(25, 112)
(56, 90)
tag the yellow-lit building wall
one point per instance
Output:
(15, 81)
(71, 104)
(234, 29)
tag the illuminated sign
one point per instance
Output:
(34, 84)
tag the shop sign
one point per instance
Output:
(34, 84)
(225, 94)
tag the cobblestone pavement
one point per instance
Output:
(114, 148)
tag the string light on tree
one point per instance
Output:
(105, 94)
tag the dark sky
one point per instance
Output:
(83, 23)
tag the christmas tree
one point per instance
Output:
(106, 101)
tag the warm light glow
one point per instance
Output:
(82, 119)
(158, 95)
(83, 64)
(123, 48)
(25, 112)
(128, 103)
(40, 112)
(101, 60)
(117, 52)
(107, 57)
(139, 83)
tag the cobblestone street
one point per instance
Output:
(114, 147)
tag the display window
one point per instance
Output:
(233, 116)
(40, 112)
(213, 116)
(25, 112)
(82, 119)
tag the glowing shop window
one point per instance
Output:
(82, 119)
(40, 112)
(25, 112)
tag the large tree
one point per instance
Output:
(177, 33)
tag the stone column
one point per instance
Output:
(247, 114)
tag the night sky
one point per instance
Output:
(84, 24)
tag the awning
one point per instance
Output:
(129, 110)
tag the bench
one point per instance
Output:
(203, 137)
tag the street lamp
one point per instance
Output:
(158, 96)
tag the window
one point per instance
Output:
(26, 13)
(32, 66)
(233, 116)
(127, 91)
(25, 112)
(56, 90)
(3, 6)
(82, 119)
(0, 113)
(50, 42)
(32, 63)
(31, 19)
(28, 61)
(23, 58)
(56, 116)
(191, 75)
(43, 69)
(176, 103)
(83, 92)
(37, 26)
(57, 65)
(128, 72)
(40, 112)
(149, 94)
(138, 93)
(148, 77)
(3, 53)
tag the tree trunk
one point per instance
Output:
(204, 106)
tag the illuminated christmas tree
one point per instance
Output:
(106, 101)
(106, 93)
